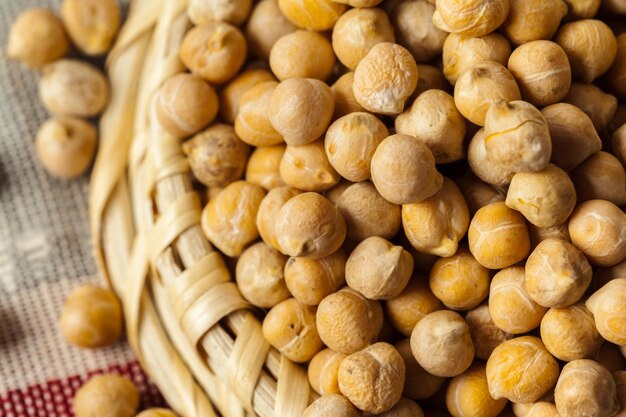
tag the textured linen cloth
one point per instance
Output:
(45, 252)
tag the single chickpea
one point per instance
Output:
(252, 122)
(470, 18)
(91, 317)
(617, 73)
(331, 405)
(91, 24)
(268, 212)
(601, 176)
(482, 167)
(482, 85)
(347, 321)
(403, 170)
(378, 269)
(569, 333)
(403, 408)
(73, 88)
(214, 51)
(263, 167)
(418, 384)
(185, 104)
(498, 236)
(309, 225)
(307, 168)
(573, 135)
(37, 48)
(302, 54)
(598, 229)
(350, 143)
(311, 280)
(232, 93)
(228, 221)
(323, 372)
(486, 336)
(511, 308)
(538, 409)
(203, 11)
(582, 9)
(107, 395)
(477, 193)
(66, 146)
(527, 353)
(266, 25)
(539, 234)
(618, 144)
(599, 106)
(441, 343)
(430, 77)
(345, 102)
(413, 22)
(608, 306)
(590, 46)
(314, 15)
(373, 379)
(157, 412)
(545, 16)
(301, 109)
(217, 156)
(290, 327)
(411, 305)
(586, 388)
(335, 193)
(468, 395)
(461, 53)
(260, 275)
(357, 31)
(615, 6)
(434, 120)
(385, 78)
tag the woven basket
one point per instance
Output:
(194, 334)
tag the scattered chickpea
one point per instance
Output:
(441, 343)
(601, 176)
(73, 88)
(599, 106)
(411, 305)
(214, 51)
(461, 53)
(373, 379)
(429, 78)
(252, 122)
(268, 211)
(91, 24)
(37, 48)
(345, 102)
(348, 322)
(545, 16)
(418, 384)
(468, 395)
(608, 306)
(486, 336)
(311, 280)
(403, 408)
(263, 167)
(203, 11)
(585, 388)
(217, 156)
(323, 372)
(527, 353)
(616, 74)
(482, 167)
(477, 193)
(413, 22)
(315, 15)
(66, 146)
(307, 168)
(331, 405)
(618, 144)
(157, 412)
(539, 234)
(228, 221)
(470, 18)
(232, 93)
(385, 78)
(302, 54)
(107, 395)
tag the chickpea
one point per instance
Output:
(260, 275)
(598, 229)
(618, 144)
(331, 405)
(608, 308)
(347, 321)
(367, 213)
(357, 31)
(590, 46)
(66, 146)
(301, 109)
(265, 26)
(106, 395)
(228, 221)
(350, 143)
(441, 343)
(511, 307)
(403, 170)
(498, 236)
(527, 353)
(539, 234)
(185, 104)
(585, 388)
(477, 193)
(309, 225)
(263, 167)
(486, 336)
(345, 102)
(599, 106)
(617, 73)
(603, 275)
(302, 54)
(538, 409)
(419, 384)
(307, 168)
(617, 120)
(315, 15)
(544, 15)
(290, 327)
(573, 135)
(411, 305)
(323, 372)
(470, 18)
(37, 48)
(203, 11)
(482, 85)
(73, 88)
(385, 78)
(430, 78)
(91, 24)
(217, 156)
(461, 53)
(484, 168)
(311, 280)
(335, 193)
(232, 93)
(601, 176)
(214, 51)
(468, 395)
(403, 408)
(252, 122)
(268, 212)
(620, 383)
(615, 6)
(157, 412)
(373, 379)
(582, 9)
(413, 22)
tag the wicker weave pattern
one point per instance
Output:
(193, 332)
